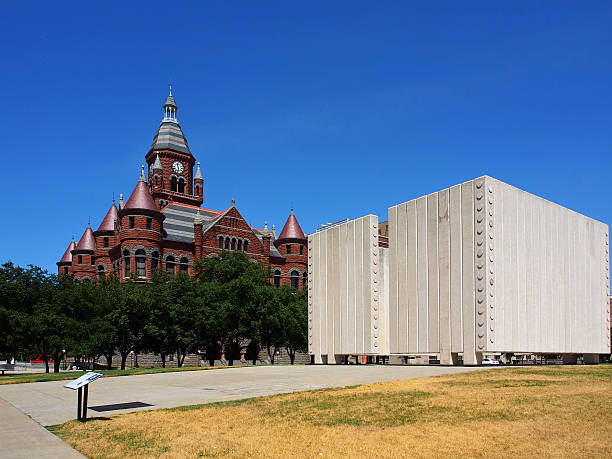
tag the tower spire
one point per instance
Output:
(170, 107)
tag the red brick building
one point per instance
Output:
(163, 226)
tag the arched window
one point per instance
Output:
(80, 259)
(227, 243)
(288, 249)
(239, 245)
(65, 269)
(156, 180)
(184, 264)
(181, 185)
(295, 279)
(301, 250)
(141, 263)
(197, 190)
(154, 261)
(170, 265)
(126, 263)
(304, 279)
(233, 244)
(220, 242)
(173, 184)
(246, 246)
(101, 272)
(277, 277)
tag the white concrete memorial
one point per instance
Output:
(481, 267)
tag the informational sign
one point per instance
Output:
(83, 380)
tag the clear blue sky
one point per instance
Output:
(339, 109)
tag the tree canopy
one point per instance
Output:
(227, 304)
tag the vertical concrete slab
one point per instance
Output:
(377, 328)
(482, 227)
(360, 305)
(323, 294)
(312, 333)
(455, 270)
(402, 275)
(468, 284)
(338, 269)
(345, 331)
(422, 272)
(393, 282)
(352, 291)
(384, 299)
(432, 275)
(521, 266)
(412, 325)
(444, 277)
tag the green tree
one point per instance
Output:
(128, 317)
(296, 322)
(272, 314)
(160, 327)
(234, 311)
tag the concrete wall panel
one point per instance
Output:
(346, 300)
(477, 268)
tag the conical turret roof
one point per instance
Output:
(87, 241)
(198, 174)
(67, 257)
(141, 198)
(157, 165)
(108, 224)
(292, 229)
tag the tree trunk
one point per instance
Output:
(291, 353)
(46, 359)
(57, 359)
(163, 357)
(181, 358)
(109, 361)
(124, 357)
(230, 359)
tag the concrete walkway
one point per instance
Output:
(21, 437)
(49, 403)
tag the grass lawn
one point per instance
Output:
(42, 377)
(526, 411)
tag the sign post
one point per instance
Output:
(79, 384)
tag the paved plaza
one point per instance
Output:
(49, 403)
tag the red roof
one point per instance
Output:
(87, 241)
(67, 258)
(292, 229)
(141, 198)
(108, 224)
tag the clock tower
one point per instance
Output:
(170, 163)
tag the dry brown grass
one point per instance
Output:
(543, 411)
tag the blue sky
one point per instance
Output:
(338, 109)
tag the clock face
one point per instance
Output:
(178, 167)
